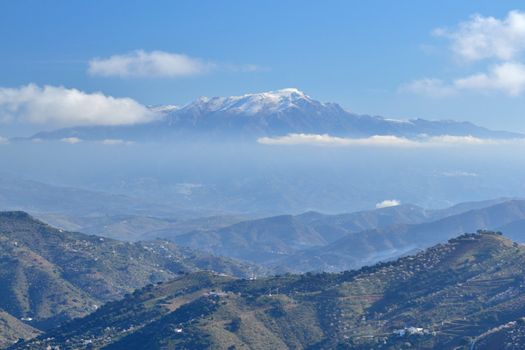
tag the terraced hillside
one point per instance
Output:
(48, 275)
(444, 297)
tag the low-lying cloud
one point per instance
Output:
(380, 140)
(325, 139)
(107, 142)
(60, 106)
(71, 140)
(388, 203)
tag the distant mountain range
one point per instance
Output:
(370, 246)
(271, 113)
(48, 275)
(465, 294)
(319, 242)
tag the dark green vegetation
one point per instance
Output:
(49, 275)
(446, 297)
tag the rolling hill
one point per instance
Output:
(445, 297)
(269, 239)
(49, 275)
(319, 242)
(370, 246)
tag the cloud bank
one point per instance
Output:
(388, 203)
(325, 139)
(60, 106)
(380, 141)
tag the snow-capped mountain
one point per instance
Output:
(253, 104)
(273, 113)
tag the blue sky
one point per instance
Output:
(366, 55)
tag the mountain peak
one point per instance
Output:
(253, 103)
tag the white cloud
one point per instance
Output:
(59, 106)
(108, 142)
(327, 140)
(388, 203)
(450, 140)
(477, 39)
(487, 37)
(160, 64)
(3, 140)
(71, 140)
(149, 64)
(382, 141)
(508, 78)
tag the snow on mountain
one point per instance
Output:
(251, 104)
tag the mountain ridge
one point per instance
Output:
(273, 113)
(335, 242)
(371, 246)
